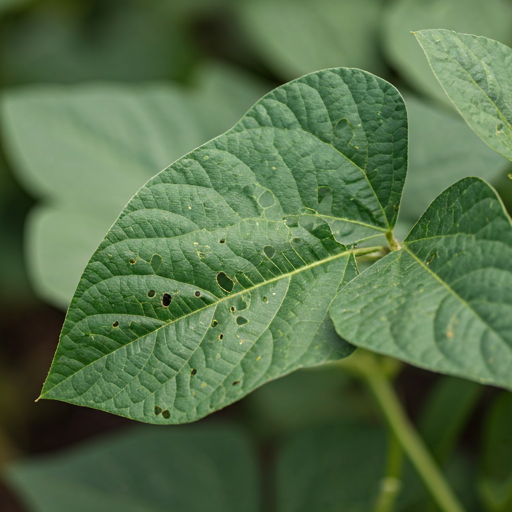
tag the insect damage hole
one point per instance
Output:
(193, 371)
(225, 282)
(222, 241)
(197, 293)
(115, 324)
(236, 382)
(232, 309)
(166, 300)
(215, 323)
(240, 320)
(151, 293)
(221, 336)
(269, 251)
(158, 410)
(133, 261)
(166, 414)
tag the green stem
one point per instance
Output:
(410, 440)
(392, 241)
(378, 251)
(391, 483)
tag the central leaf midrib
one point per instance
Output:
(216, 303)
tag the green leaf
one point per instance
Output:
(444, 300)
(491, 18)
(442, 150)
(123, 41)
(145, 469)
(495, 484)
(331, 469)
(86, 150)
(219, 273)
(300, 36)
(476, 74)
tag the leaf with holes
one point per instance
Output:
(476, 74)
(85, 150)
(444, 300)
(219, 273)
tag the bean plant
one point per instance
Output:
(272, 248)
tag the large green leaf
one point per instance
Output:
(86, 150)
(442, 150)
(219, 273)
(476, 73)
(145, 469)
(496, 462)
(444, 300)
(492, 18)
(300, 36)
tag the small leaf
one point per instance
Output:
(145, 470)
(300, 36)
(444, 300)
(209, 217)
(491, 18)
(476, 73)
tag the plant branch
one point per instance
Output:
(410, 440)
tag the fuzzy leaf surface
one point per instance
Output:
(444, 300)
(476, 73)
(219, 273)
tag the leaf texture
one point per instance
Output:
(476, 74)
(219, 273)
(444, 300)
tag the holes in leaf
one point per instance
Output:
(266, 199)
(431, 257)
(158, 410)
(193, 371)
(297, 240)
(215, 323)
(197, 293)
(221, 336)
(115, 324)
(269, 251)
(225, 282)
(151, 293)
(236, 382)
(166, 414)
(232, 309)
(222, 241)
(133, 261)
(166, 300)
(265, 299)
(240, 320)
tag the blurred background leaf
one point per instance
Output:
(145, 469)
(296, 37)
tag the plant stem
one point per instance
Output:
(392, 241)
(411, 442)
(391, 483)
